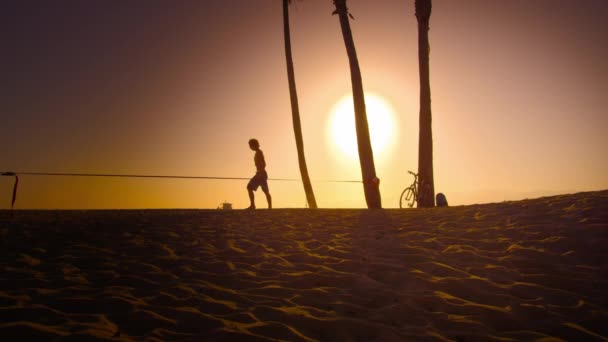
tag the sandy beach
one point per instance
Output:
(527, 270)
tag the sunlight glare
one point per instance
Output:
(381, 120)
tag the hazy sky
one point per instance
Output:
(178, 87)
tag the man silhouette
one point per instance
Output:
(261, 177)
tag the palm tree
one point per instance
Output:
(366, 155)
(295, 111)
(425, 143)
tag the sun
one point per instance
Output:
(381, 121)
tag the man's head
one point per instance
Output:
(254, 144)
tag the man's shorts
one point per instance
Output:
(260, 179)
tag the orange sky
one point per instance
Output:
(518, 90)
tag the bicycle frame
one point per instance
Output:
(410, 194)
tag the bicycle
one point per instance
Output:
(410, 195)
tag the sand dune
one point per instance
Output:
(528, 270)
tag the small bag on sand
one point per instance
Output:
(441, 200)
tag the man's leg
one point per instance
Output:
(251, 199)
(250, 188)
(268, 199)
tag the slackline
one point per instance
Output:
(16, 175)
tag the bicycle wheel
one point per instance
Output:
(407, 197)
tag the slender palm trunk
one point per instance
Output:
(295, 111)
(425, 142)
(366, 155)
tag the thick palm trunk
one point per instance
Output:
(425, 143)
(295, 111)
(366, 155)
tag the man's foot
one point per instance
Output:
(251, 207)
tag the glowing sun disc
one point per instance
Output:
(380, 118)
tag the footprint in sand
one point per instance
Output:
(232, 245)
(29, 260)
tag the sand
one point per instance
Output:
(527, 270)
